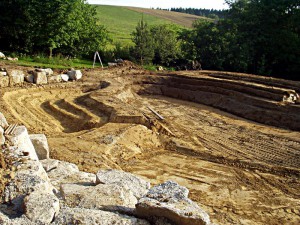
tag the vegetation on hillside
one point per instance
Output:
(50, 26)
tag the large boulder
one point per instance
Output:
(138, 186)
(20, 139)
(40, 77)
(75, 74)
(89, 216)
(171, 201)
(16, 77)
(60, 172)
(40, 144)
(54, 79)
(109, 197)
(4, 81)
(3, 122)
(30, 177)
(41, 206)
(2, 56)
(29, 78)
(48, 71)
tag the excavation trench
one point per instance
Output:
(226, 137)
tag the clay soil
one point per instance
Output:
(225, 136)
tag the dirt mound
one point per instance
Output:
(224, 136)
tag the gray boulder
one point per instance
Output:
(60, 172)
(40, 77)
(16, 77)
(3, 122)
(89, 216)
(171, 201)
(138, 186)
(30, 177)
(20, 139)
(2, 56)
(74, 74)
(48, 71)
(54, 79)
(109, 197)
(41, 206)
(29, 78)
(40, 144)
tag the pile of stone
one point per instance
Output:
(38, 76)
(49, 191)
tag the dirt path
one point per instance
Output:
(240, 171)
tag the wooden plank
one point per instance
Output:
(156, 113)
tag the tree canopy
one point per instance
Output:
(63, 26)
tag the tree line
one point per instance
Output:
(50, 26)
(210, 13)
(260, 37)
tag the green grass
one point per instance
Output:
(54, 63)
(121, 22)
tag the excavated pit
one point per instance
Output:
(225, 136)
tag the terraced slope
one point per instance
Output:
(227, 137)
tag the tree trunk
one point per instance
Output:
(50, 52)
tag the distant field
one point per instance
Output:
(121, 21)
(183, 19)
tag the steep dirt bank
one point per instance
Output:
(240, 171)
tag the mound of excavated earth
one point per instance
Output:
(229, 138)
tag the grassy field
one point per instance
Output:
(121, 21)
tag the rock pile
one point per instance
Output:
(49, 191)
(38, 76)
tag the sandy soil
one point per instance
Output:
(240, 171)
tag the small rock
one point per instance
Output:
(40, 144)
(138, 186)
(64, 77)
(2, 55)
(3, 73)
(41, 206)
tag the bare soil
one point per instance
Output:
(225, 136)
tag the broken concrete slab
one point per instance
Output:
(138, 186)
(171, 201)
(40, 144)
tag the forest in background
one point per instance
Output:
(253, 36)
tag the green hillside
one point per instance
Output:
(121, 21)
